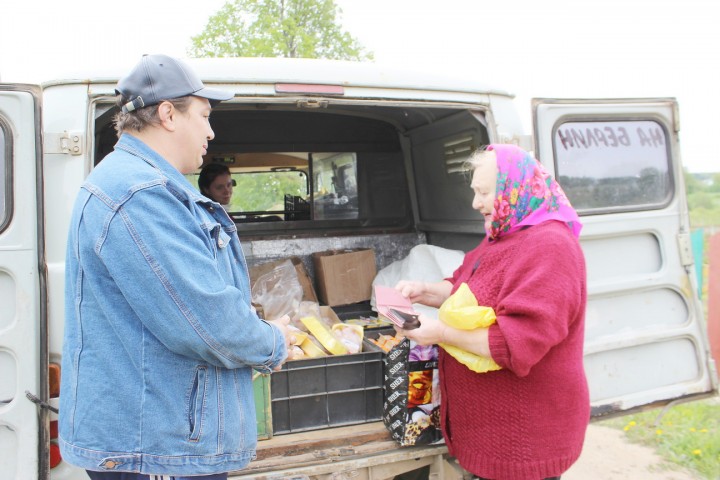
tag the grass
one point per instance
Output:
(687, 434)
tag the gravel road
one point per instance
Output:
(608, 455)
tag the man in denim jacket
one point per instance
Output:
(160, 334)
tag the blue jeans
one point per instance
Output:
(140, 476)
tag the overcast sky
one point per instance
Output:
(534, 48)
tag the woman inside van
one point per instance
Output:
(216, 183)
(527, 420)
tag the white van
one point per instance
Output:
(376, 159)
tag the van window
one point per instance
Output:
(261, 194)
(5, 159)
(335, 186)
(613, 165)
(277, 186)
(264, 191)
(339, 168)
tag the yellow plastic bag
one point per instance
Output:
(461, 311)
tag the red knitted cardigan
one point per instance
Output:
(526, 421)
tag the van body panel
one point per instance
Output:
(65, 112)
(23, 426)
(645, 340)
(269, 71)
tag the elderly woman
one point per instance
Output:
(526, 421)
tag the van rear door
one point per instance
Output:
(619, 164)
(22, 368)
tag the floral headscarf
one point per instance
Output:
(526, 194)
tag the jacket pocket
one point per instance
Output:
(219, 239)
(196, 407)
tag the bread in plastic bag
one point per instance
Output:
(278, 291)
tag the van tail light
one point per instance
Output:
(55, 457)
(54, 380)
(311, 89)
(54, 392)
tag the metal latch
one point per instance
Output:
(68, 143)
(685, 246)
(312, 103)
(33, 398)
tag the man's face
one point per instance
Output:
(193, 134)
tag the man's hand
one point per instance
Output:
(282, 323)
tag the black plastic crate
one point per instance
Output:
(326, 392)
(354, 310)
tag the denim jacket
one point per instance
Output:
(160, 335)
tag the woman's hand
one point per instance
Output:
(432, 294)
(433, 331)
(430, 331)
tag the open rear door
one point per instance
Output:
(619, 163)
(23, 367)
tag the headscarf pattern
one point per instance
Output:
(526, 194)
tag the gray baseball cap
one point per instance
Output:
(159, 77)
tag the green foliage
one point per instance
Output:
(700, 199)
(704, 208)
(262, 192)
(703, 191)
(687, 435)
(715, 187)
(692, 184)
(277, 28)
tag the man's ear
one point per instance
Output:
(166, 113)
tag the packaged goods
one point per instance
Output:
(411, 408)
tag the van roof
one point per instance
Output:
(304, 70)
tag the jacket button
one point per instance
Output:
(109, 464)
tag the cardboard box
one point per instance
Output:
(344, 276)
(303, 277)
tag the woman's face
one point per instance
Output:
(484, 184)
(221, 189)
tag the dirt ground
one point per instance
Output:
(608, 455)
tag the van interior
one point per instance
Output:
(343, 169)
